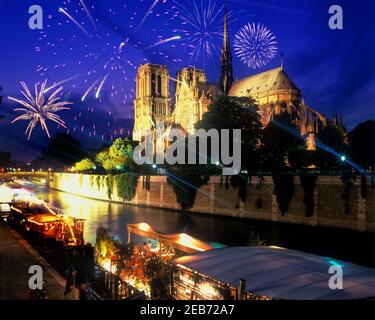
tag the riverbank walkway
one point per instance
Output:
(16, 256)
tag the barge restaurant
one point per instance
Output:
(266, 273)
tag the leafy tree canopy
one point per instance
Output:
(331, 143)
(119, 156)
(282, 145)
(5, 159)
(362, 144)
(63, 151)
(85, 164)
(237, 113)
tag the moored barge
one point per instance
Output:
(47, 224)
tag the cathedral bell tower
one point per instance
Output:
(153, 101)
(226, 70)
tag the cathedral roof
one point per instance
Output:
(275, 79)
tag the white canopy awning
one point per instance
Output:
(282, 273)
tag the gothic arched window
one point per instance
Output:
(159, 86)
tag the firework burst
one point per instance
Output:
(95, 47)
(255, 45)
(202, 28)
(39, 109)
(105, 43)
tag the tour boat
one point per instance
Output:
(44, 222)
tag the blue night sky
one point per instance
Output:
(333, 69)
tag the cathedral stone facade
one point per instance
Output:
(273, 91)
(192, 97)
(153, 99)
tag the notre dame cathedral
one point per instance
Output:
(272, 90)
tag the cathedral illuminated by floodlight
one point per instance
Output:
(273, 91)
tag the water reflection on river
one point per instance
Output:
(341, 244)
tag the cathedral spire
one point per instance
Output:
(226, 76)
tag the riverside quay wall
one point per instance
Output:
(330, 201)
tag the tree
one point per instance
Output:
(5, 159)
(101, 157)
(85, 164)
(121, 147)
(282, 147)
(119, 156)
(63, 151)
(224, 113)
(361, 144)
(237, 113)
(331, 143)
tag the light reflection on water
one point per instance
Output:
(115, 216)
(347, 245)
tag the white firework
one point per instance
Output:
(255, 45)
(39, 109)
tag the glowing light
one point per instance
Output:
(106, 265)
(335, 263)
(36, 109)
(255, 45)
(6, 194)
(188, 281)
(208, 290)
(343, 158)
(189, 242)
(144, 226)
